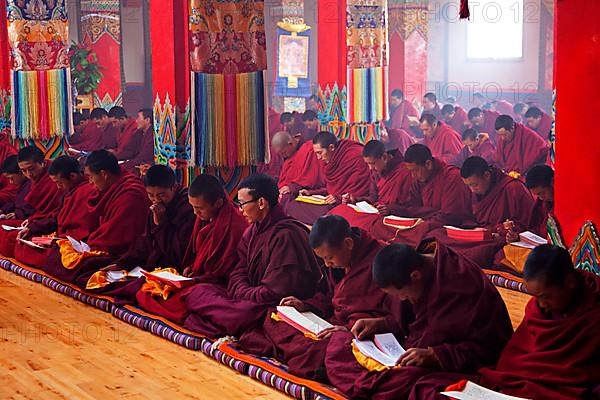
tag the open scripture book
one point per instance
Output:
(306, 321)
(384, 348)
(473, 391)
(364, 207)
(467, 235)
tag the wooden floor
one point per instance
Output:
(53, 347)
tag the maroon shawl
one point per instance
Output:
(459, 119)
(346, 171)
(525, 150)
(302, 170)
(74, 218)
(400, 114)
(445, 144)
(44, 197)
(399, 139)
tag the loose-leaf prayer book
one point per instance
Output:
(467, 235)
(79, 245)
(473, 391)
(168, 278)
(305, 322)
(116, 276)
(12, 228)
(32, 244)
(314, 199)
(401, 222)
(45, 241)
(532, 238)
(384, 349)
(364, 207)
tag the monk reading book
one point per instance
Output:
(431, 106)
(121, 206)
(126, 133)
(73, 219)
(43, 196)
(553, 353)
(448, 316)
(348, 254)
(142, 141)
(539, 121)
(211, 253)
(483, 121)
(437, 195)
(275, 261)
(345, 174)
(455, 117)
(443, 141)
(540, 180)
(400, 111)
(519, 148)
(396, 139)
(15, 207)
(476, 144)
(393, 183)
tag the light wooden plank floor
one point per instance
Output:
(53, 347)
(515, 302)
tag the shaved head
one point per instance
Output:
(285, 144)
(281, 139)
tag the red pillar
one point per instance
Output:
(4, 70)
(577, 189)
(332, 43)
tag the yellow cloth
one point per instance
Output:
(98, 280)
(311, 200)
(157, 288)
(367, 362)
(514, 257)
(70, 258)
(309, 335)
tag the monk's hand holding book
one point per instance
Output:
(425, 358)
(383, 209)
(304, 192)
(366, 328)
(331, 199)
(330, 331)
(10, 216)
(284, 190)
(347, 198)
(159, 212)
(188, 272)
(23, 233)
(292, 301)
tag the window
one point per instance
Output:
(495, 30)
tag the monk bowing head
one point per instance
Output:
(477, 174)
(505, 128)
(476, 117)
(206, 195)
(284, 144)
(258, 194)
(102, 169)
(402, 272)
(324, 144)
(470, 138)
(32, 162)
(12, 172)
(540, 181)
(551, 278)
(448, 112)
(160, 184)
(99, 116)
(333, 240)
(118, 117)
(533, 117)
(429, 101)
(396, 97)
(428, 124)
(310, 120)
(65, 172)
(419, 162)
(376, 157)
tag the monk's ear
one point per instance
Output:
(219, 203)
(262, 203)
(415, 276)
(349, 243)
(331, 147)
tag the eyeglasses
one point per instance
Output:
(241, 205)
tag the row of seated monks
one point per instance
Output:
(131, 140)
(247, 258)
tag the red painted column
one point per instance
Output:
(577, 49)
(332, 43)
(4, 71)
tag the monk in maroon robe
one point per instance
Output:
(443, 141)
(476, 144)
(275, 261)
(393, 183)
(455, 117)
(519, 111)
(211, 253)
(345, 172)
(497, 198)
(538, 121)
(431, 106)
(7, 190)
(348, 254)
(167, 233)
(311, 124)
(43, 196)
(99, 133)
(143, 141)
(301, 169)
(519, 148)
(553, 353)
(437, 195)
(397, 139)
(448, 316)
(121, 206)
(127, 138)
(540, 181)
(73, 218)
(400, 111)
(275, 164)
(503, 107)
(483, 121)
(13, 204)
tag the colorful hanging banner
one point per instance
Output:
(229, 119)
(367, 95)
(41, 104)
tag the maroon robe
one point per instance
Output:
(539, 220)
(211, 254)
(504, 107)
(109, 136)
(302, 170)
(399, 116)
(435, 111)
(489, 125)
(461, 316)
(73, 219)
(393, 187)
(145, 150)
(353, 296)
(88, 140)
(459, 119)
(127, 141)
(507, 199)
(121, 211)
(525, 150)
(445, 144)
(7, 193)
(46, 199)
(544, 127)
(443, 200)
(346, 172)
(552, 357)
(485, 150)
(399, 139)
(18, 204)
(275, 261)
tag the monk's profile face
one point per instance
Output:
(375, 164)
(448, 116)
(288, 125)
(395, 101)
(505, 135)
(533, 122)
(411, 291)
(418, 172)
(479, 184)
(285, 151)
(543, 193)
(15, 179)
(323, 153)
(160, 195)
(428, 129)
(204, 209)
(471, 144)
(312, 124)
(477, 121)
(102, 121)
(65, 183)
(553, 299)
(253, 209)
(336, 257)
(32, 170)
(142, 123)
(428, 105)
(98, 180)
